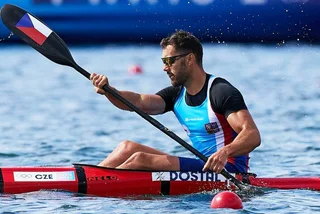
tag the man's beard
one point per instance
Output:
(180, 77)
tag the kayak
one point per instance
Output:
(110, 182)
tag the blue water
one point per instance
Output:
(50, 115)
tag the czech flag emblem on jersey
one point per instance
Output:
(33, 28)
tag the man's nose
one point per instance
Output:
(166, 67)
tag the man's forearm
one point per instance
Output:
(128, 95)
(245, 142)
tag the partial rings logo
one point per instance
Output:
(25, 176)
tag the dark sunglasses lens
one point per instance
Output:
(171, 60)
(166, 61)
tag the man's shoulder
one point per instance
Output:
(220, 82)
(171, 89)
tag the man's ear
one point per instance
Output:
(191, 58)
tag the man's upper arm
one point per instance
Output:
(228, 101)
(152, 104)
(225, 98)
(169, 96)
(241, 120)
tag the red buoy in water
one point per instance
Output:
(135, 69)
(227, 199)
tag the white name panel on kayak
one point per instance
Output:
(187, 176)
(44, 176)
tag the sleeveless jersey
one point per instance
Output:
(207, 130)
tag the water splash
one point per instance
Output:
(8, 37)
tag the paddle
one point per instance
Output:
(36, 34)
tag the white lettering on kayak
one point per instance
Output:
(187, 176)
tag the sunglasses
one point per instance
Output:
(168, 61)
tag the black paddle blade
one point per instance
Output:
(36, 34)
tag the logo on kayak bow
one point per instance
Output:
(43, 176)
(102, 178)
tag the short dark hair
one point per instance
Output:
(184, 41)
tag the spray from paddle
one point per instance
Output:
(8, 37)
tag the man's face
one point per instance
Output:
(175, 65)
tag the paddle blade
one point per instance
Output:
(36, 34)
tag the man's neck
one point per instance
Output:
(196, 81)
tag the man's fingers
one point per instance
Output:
(92, 76)
(102, 81)
(206, 167)
(96, 80)
(219, 169)
(213, 165)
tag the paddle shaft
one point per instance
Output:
(158, 125)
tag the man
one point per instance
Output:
(210, 109)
